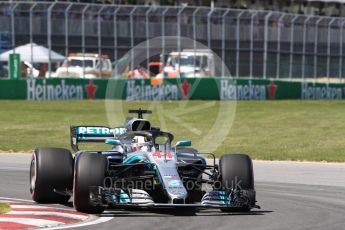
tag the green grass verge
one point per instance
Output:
(4, 208)
(270, 130)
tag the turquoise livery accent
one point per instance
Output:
(112, 142)
(174, 183)
(133, 159)
(123, 198)
(224, 198)
(184, 143)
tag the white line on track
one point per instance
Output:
(33, 222)
(20, 206)
(97, 221)
(41, 213)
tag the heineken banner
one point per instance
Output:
(167, 89)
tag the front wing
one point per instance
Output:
(139, 198)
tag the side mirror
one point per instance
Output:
(112, 142)
(183, 143)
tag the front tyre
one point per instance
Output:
(89, 170)
(51, 169)
(236, 173)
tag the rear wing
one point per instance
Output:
(93, 134)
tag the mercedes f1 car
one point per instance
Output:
(143, 168)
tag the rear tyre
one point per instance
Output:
(89, 170)
(236, 172)
(51, 169)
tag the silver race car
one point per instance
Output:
(143, 168)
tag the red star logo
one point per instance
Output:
(185, 87)
(272, 89)
(91, 89)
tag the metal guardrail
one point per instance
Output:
(251, 43)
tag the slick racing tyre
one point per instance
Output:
(51, 170)
(89, 170)
(236, 172)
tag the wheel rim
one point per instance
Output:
(33, 175)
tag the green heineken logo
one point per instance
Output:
(41, 90)
(312, 91)
(148, 92)
(229, 90)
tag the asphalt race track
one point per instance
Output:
(292, 196)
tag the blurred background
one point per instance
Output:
(301, 39)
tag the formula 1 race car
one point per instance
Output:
(142, 169)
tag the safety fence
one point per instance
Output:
(168, 89)
(251, 43)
